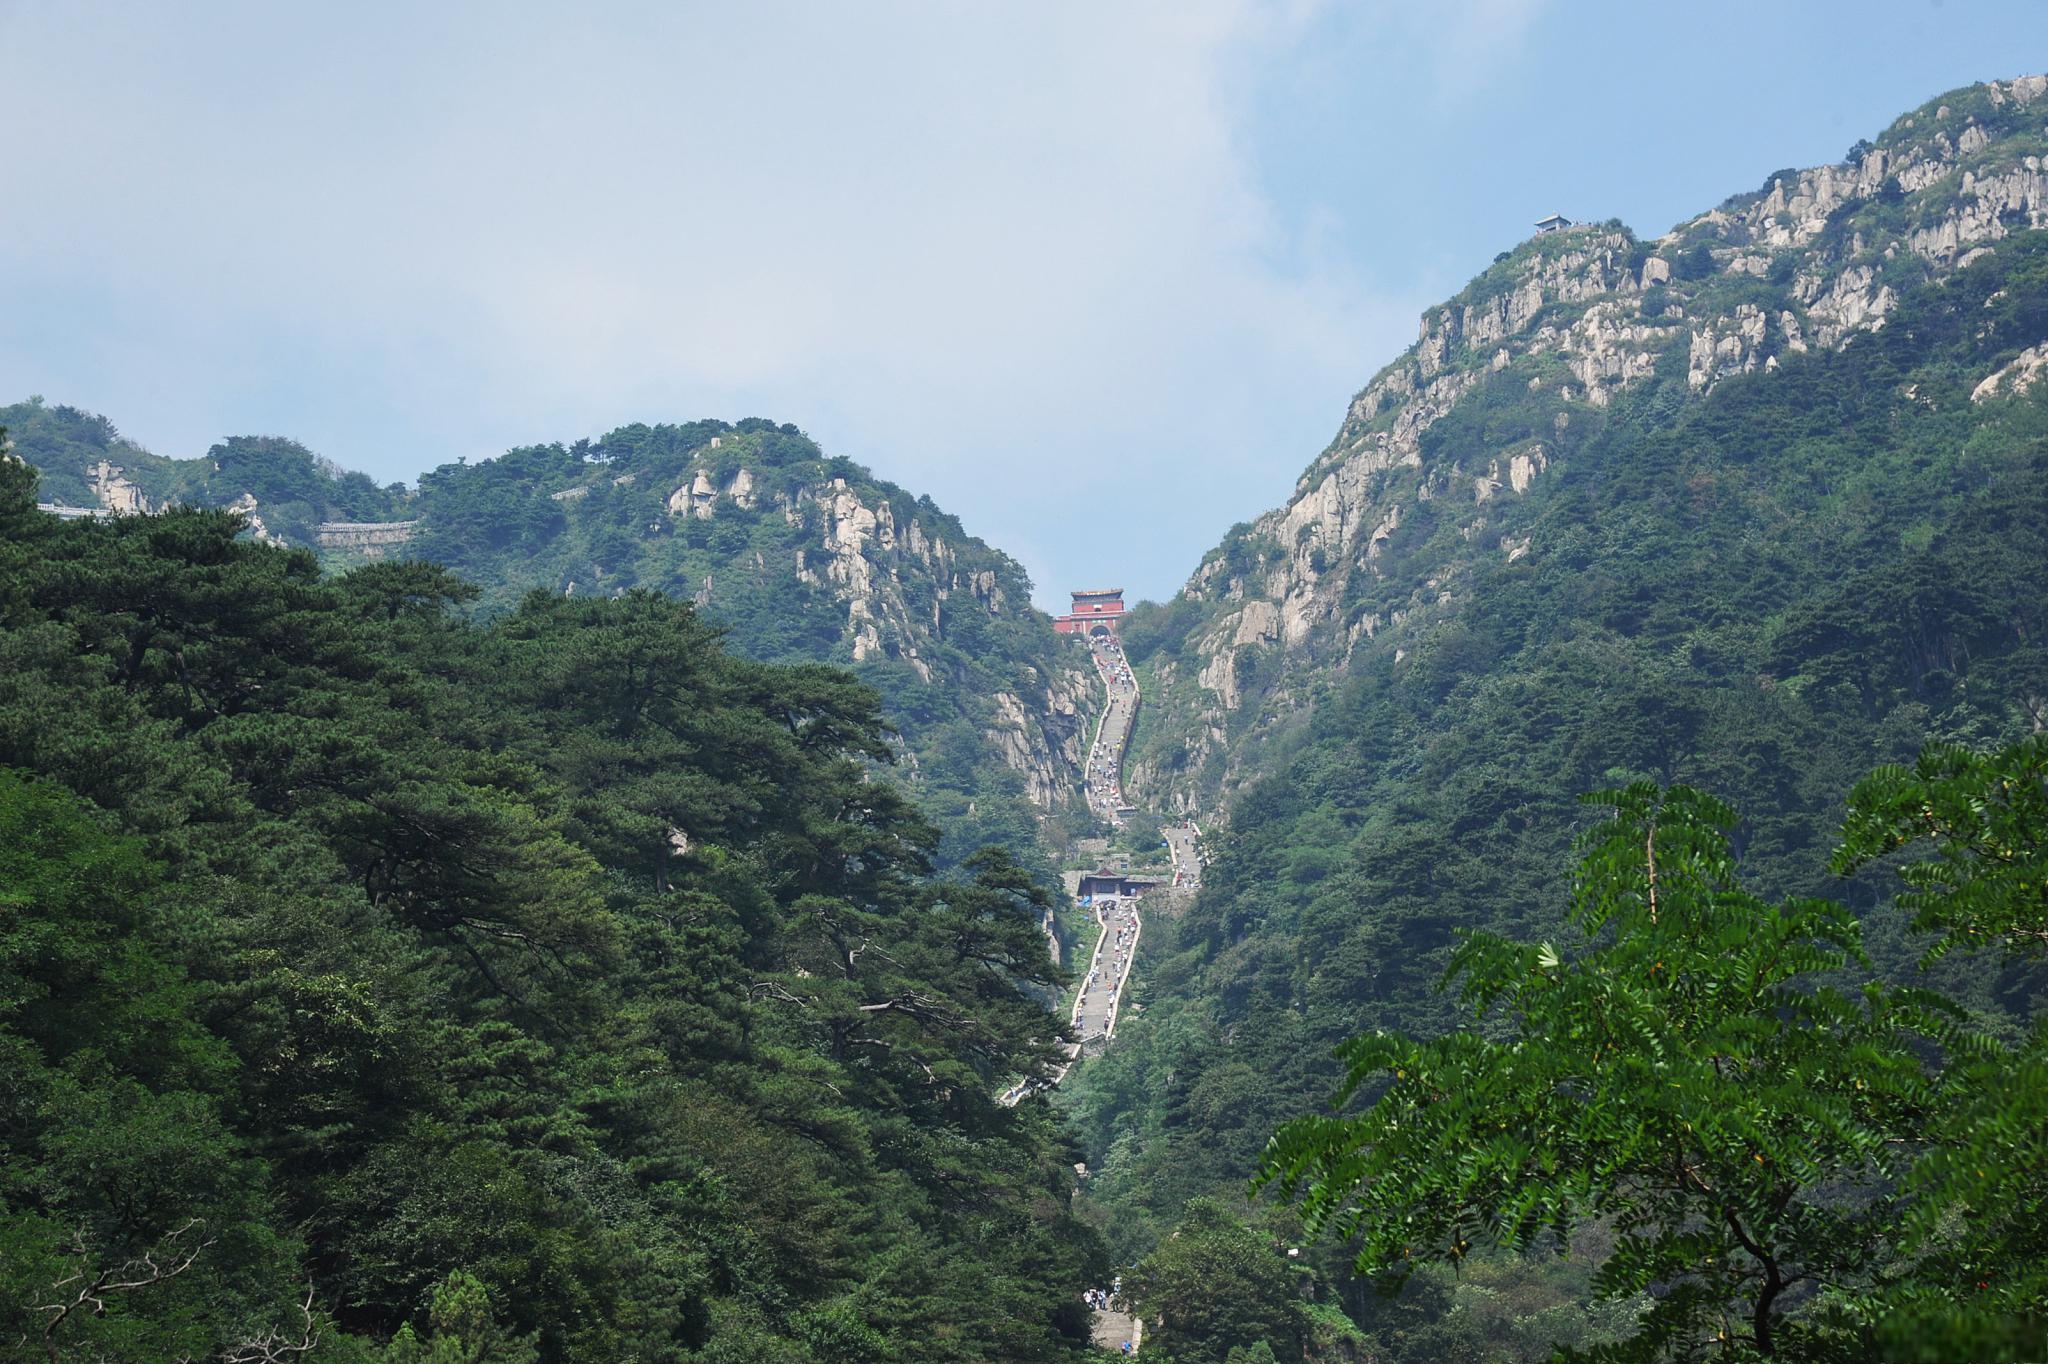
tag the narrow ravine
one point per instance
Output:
(1116, 899)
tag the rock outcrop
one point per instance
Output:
(1567, 322)
(2011, 380)
(901, 581)
(117, 492)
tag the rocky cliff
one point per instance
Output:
(803, 557)
(914, 591)
(1435, 459)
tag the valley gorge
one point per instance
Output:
(672, 895)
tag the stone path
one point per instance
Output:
(1183, 842)
(1112, 1328)
(1113, 735)
(1109, 971)
(1106, 979)
(1101, 995)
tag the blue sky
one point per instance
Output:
(1036, 260)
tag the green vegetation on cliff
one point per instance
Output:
(798, 556)
(1764, 592)
(1436, 477)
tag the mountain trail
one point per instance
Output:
(1115, 898)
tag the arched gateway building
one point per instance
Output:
(1092, 610)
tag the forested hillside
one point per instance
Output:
(1762, 582)
(557, 987)
(799, 557)
(1439, 472)
(802, 558)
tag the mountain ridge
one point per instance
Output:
(801, 556)
(1570, 320)
(1761, 577)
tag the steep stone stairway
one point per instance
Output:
(1113, 735)
(1106, 978)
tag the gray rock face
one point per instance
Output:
(2009, 381)
(867, 557)
(117, 492)
(1577, 317)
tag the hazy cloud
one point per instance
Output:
(994, 251)
(1099, 277)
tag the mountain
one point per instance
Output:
(387, 984)
(1756, 507)
(1441, 467)
(285, 491)
(800, 556)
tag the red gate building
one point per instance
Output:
(1091, 609)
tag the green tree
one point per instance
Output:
(567, 962)
(1979, 1218)
(1686, 1075)
(1985, 816)
(132, 1218)
(1218, 1291)
(462, 1329)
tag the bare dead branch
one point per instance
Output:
(169, 1258)
(931, 1076)
(274, 1346)
(768, 989)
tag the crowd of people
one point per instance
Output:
(1111, 965)
(1187, 854)
(1105, 759)
(1110, 1299)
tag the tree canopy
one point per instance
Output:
(1795, 1162)
(562, 987)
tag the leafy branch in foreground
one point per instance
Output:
(1979, 1212)
(1685, 1077)
(1986, 815)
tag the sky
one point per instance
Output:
(1100, 277)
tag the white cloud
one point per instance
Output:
(1004, 254)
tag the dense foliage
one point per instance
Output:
(1792, 1169)
(557, 988)
(602, 517)
(1765, 593)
